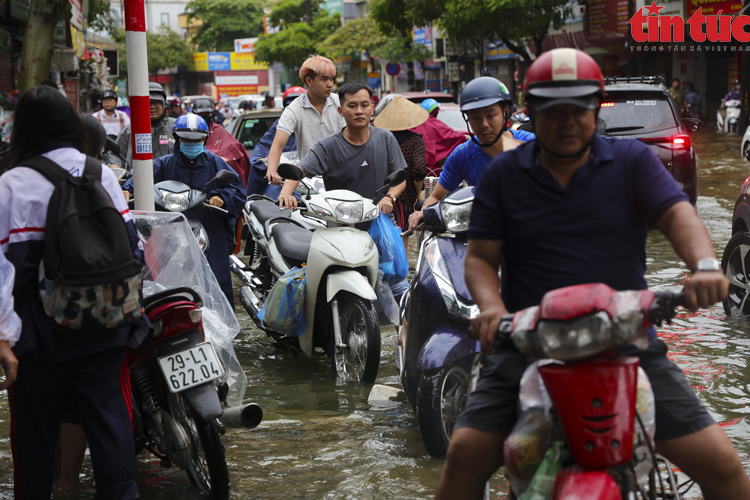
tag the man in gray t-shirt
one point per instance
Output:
(358, 158)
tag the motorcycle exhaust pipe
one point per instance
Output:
(242, 417)
(251, 304)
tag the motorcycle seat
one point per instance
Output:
(292, 241)
(264, 210)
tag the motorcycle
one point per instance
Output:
(732, 108)
(435, 353)
(178, 197)
(595, 440)
(340, 276)
(182, 373)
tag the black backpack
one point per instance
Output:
(89, 279)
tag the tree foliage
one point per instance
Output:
(359, 35)
(296, 39)
(475, 22)
(224, 21)
(165, 50)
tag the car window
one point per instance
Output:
(635, 114)
(452, 118)
(252, 130)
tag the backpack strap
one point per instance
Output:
(48, 168)
(93, 168)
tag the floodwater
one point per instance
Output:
(321, 440)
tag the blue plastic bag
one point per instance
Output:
(284, 308)
(392, 258)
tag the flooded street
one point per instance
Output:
(320, 440)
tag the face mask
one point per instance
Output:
(191, 149)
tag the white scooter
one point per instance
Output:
(732, 120)
(340, 278)
(260, 213)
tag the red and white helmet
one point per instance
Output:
(564, 76)
(291, 94)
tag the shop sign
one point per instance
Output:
(201, 61)
(244, 61)
(219, 61)
(76, 15)
(373, 80)
(246, 45)
(235, 90)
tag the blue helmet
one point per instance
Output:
(482, 92)
(430, 105)
(190, 126)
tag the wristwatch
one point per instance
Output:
(707, 264)
(393, 198)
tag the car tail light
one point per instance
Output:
(681, 142)
(607, 104)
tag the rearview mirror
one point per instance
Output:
(691, 124)
(112, 146)
(395, 178)
(291, 172)
(223, 177)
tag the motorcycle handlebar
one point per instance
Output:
(662, 309)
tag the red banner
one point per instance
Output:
(70, 87)
(235, 90)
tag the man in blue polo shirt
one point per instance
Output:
(572, 208)
(486, 105)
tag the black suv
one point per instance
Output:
(642, 108)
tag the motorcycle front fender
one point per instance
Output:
(350, 281)
(576, 482)
(204, 401)
(444, 348)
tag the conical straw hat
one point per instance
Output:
(401, 114)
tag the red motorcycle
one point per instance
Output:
(177, 410)
(586, 426)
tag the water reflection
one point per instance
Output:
(320, 440)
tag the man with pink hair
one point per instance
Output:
(311, 117)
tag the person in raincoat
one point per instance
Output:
(161, 128)
(194, 165)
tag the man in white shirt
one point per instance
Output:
(311, 117)
(112, 120)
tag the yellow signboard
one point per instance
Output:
(245, 61)
(79, 43)
(201, 61)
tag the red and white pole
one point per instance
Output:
(140, 115)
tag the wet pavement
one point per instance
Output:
(321, 440)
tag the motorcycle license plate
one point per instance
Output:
(191, 367)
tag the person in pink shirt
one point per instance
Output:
(439, 139)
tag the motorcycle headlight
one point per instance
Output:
(570, 341)
(200, 234)
(347, 211)
(440, 271)
(456, 217)
(372, 213)
(321, 211)
(175, 202)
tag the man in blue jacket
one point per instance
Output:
(256, 182)
(194, 165)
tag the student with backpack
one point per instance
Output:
(78, 265)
